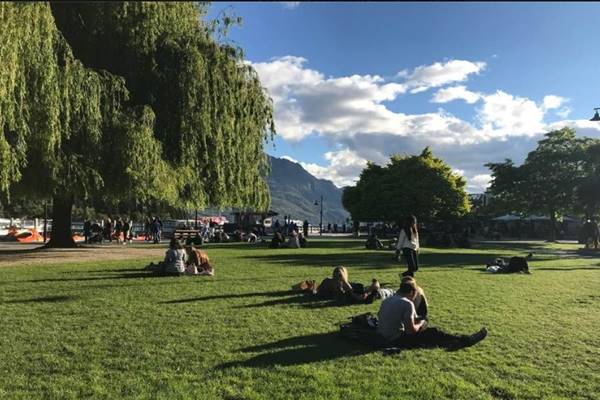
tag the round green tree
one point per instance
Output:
(421, 185)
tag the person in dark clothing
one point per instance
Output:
(87, 230)
(399, 324)
(108, 230)
(277, 241)
(118, 229)
(305, 228)
(126, 228)
(373, 243)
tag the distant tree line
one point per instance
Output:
(561, 176)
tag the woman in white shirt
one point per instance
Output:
(408, 244)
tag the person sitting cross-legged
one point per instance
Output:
(400, 326)
(174, 262)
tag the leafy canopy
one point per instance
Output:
(422, 185)
(128, 101)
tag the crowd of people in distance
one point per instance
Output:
(153, 230)
(118, 229)
(179, 261)
(295, 240)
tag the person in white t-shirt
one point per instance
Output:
(408, 244)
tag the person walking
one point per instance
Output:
(126, 228)
(118, 229)
(408, 244)
(87, 230)
(108, 229)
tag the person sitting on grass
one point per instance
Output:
(399, 325)
(293, 241)
(174, 262)
(373, 243)
(277, 241)
(514, 265)
(198, 262)
(341, 289)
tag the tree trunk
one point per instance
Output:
(61, 223)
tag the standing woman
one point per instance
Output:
(408, 243)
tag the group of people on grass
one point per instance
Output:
(402, 320)
(183, 261)
(295, 239)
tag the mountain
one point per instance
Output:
(294, 192)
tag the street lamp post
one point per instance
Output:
(321, 214)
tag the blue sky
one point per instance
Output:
(478, 82)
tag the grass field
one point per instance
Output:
(110, 330)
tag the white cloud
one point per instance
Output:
(351, 112)
(343, 169)
(439, 74)
(290, 5)
(503, 114)
(478, 183)
(286, 157)
(564, 112)
(446, 95)
(551, 101)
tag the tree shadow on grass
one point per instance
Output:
(566, 268)
(304, 300)
(300, 350)
(374, 261)
(44, 299)
(276, 293)
(135, 275)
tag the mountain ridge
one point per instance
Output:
(294, 192)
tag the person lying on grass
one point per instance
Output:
(339, 288)
(400, 325)
(174, 262)
(198, 262)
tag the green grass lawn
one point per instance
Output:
(110, 330)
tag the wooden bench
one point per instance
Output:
(185, 233)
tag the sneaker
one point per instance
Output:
(477, 337)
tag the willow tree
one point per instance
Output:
(421, 185)
(127, 100)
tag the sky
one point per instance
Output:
(477, 82)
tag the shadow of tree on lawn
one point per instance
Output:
(44, 299)
(300, 350)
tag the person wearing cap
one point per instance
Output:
(401, 326)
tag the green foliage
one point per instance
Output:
(546, 182)
(588, 189)
(421, 185)
(212, 114)
(128, 102)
